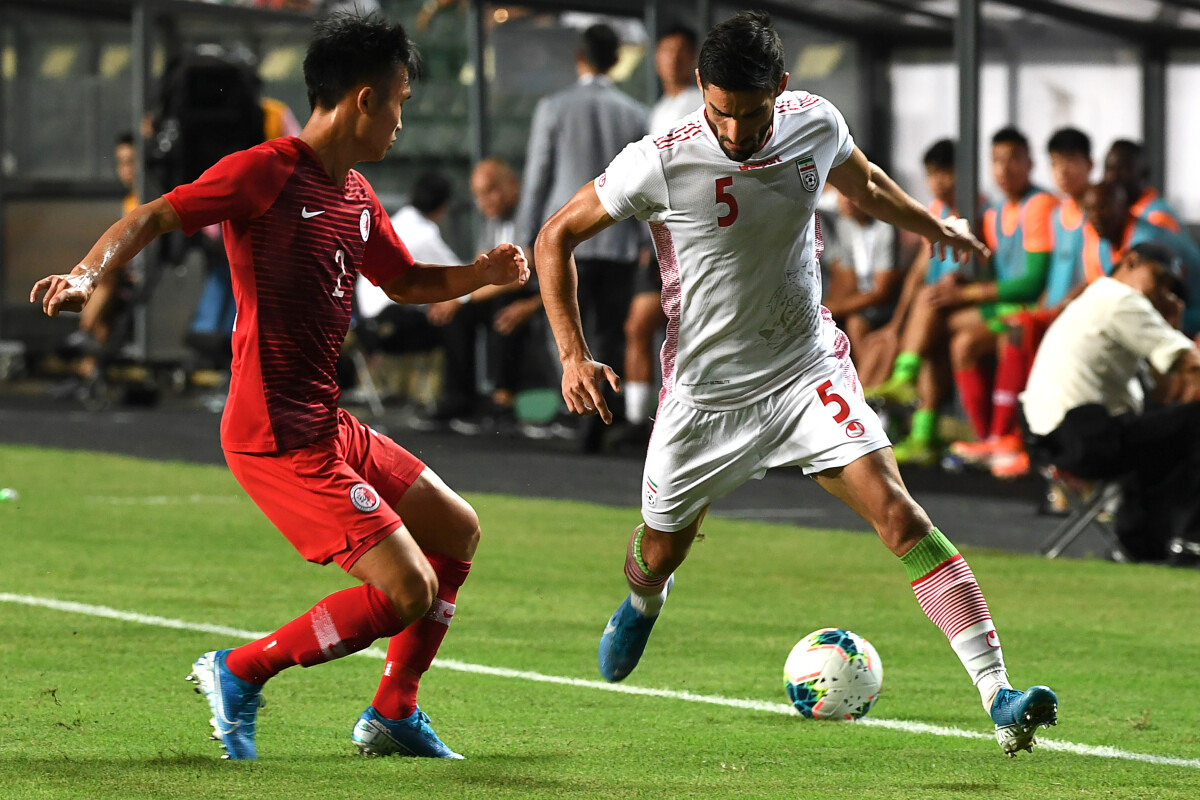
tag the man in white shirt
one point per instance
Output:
(498, 317)
(1083, 403)
(675, 61)
(382, 324)
(865, 282)
(755, 374)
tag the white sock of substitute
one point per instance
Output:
(637, 401)
(949, 595)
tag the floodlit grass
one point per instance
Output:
(98, 708)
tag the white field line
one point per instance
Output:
(166, 499)
(501, 672)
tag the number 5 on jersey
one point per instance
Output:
(728, 200)
(833, 398)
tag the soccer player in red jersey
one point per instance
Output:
(299, 225)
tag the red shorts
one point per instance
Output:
(335, 499)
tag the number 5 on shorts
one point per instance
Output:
(833, 398)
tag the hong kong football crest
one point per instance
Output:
(364, 224)
(809, 178)
(364, 497)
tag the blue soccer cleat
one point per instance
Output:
(1018, 714)
(376, 735)
(624, 640)
(234, 704)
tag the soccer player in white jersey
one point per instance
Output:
(755, 373)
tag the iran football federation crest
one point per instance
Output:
(809, 178)
(364, 497)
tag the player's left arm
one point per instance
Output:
(872, 190)
(433, 283)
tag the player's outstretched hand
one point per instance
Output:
(956, 237)
(582, 388)
(68, 292)
(505, 264)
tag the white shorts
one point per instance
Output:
(817, 422)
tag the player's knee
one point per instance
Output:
(962, 351)
(413, 593)
(902, 524)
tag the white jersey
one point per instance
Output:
(737, 247)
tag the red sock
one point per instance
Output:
(410, 653)
(1011, 374)
(976, 399)
(343, 623)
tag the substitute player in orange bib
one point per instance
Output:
(299, 225)
(755, 373)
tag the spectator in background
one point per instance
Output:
(501, 314)
(675, 61)
(1126, 164)
(1112, 227)
(382, 324)
(928, 267)
(967, 317)
(573, 136)
(1003, 451)
(865, 283)
(96, 318)
(1084, 406)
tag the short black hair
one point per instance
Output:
(598, 46)
(743, 53)
(1070, 142)
(679, 29)
(1136, 155)
(940, 155)
(1010, 135)
(122, 138)
(350, 49)
(430, 192)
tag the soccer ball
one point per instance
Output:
(833, 674)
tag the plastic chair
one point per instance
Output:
(1087, 502)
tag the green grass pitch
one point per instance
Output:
(98, 708)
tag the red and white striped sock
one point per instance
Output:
(949, 595)
(647, 590)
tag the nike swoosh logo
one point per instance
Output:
(304, 212)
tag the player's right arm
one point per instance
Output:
(241, 185)
(633, 185)
(580, 219)
(126, 238)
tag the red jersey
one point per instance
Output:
(295, 241)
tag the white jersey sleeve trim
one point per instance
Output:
(634, 183)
